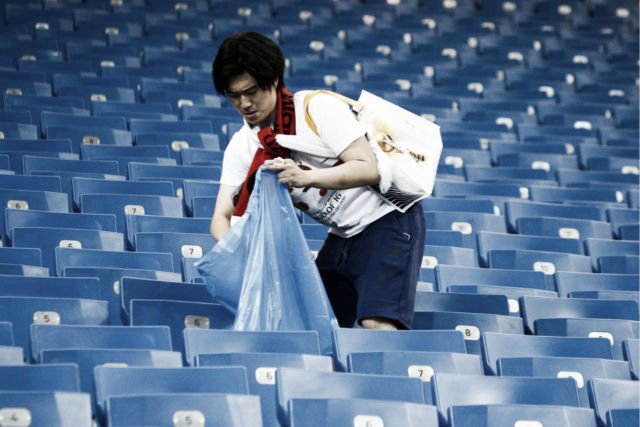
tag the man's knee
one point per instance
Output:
(378, 323)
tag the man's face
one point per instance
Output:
(257, 106)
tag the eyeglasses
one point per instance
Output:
(249, 92)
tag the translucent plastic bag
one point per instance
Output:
(263, 271)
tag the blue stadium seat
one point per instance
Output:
(11, 355)
(34, 218)
(629, 232)
(535, 308)
(81, 136)
(570, 228)
(50, 287)
(544, 261)
(211, 409)
(474, 189)
(32, 164)
(24, 311)
(291, 384)
(28, 256)
(445, 255)
(201, 156)
(177, 142)
(580, 369)
(511, 415)
(18, 130)
(361, 340)
(48, 238)
(23, 270)
(54, 377)
(623, 417)
(132, 288)
(453, 390)
(597, 248)
(631, 350)
(559, 195)
(614, 330)
(65, 337)
(496, 346)
(588, 152)
(87, 359)
(447, 275)
(66, 257)
(82, 186)
(488, 242)
(513, 294)
(140, 171)
(23, 182)
(569, 178)
(201, 341)
(150, 223)
(467, 303)
(121, 205)
(179, 315)
(468, 223)
(203, 206)
(180, 245)
(261, 370)
(114, 152)
(122, 108)
(321, 412)
(52, 408)
(416, 364)
(458, 205)
(34, 199)
(50, 118)
(520, 175)
(608, 394)
(140, 126)
(619, 264)
(568, 282)
(545, 161)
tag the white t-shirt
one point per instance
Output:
(348, 211)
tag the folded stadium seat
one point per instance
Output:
(516, 209)
(496, 346)
(115, 152)
(139, 288)
(131, 204)
(535, 309)
(508, 415)
(544, 161)
(349, 341)
(457, 390)
(62, 81)
(549, 194)
(37, 104)
(50, 287)
(19, 86)
(140, 126)
(444, 188)
(513, 294)
(86, 135)
(177, 99)
(150, 223)
(520, 175)
(489, 242)
(89, 186)
(216, 409)
(619, 264)
(54, 377)
(471, 325)
(22, 182)
(88, 358)
(24, 270)
(203, 207)
(290, 385)
(597, 248)
(608, 395)
(569, 228)
(92, 93)
(4, 165)
(633, 199)
(27, 256)
(614, 330)
(35, 147)
(178, 173)
(631, 351)
(59, 408)
(435, 255)
(33, 164)
(179, 315)
(201, 156)
(66, 257)
(47, 238)
(261, 373)
(48, 67)
(468, 223)
(580, 369)
(11, 355)
(629, 232)
(568, 178)
(178, 141)
(589, 154)
(16, 156)
(6, 334)
(623, 295)
(113, 382)
(448, 275)
(555, 133)
(458, 205)
(18, 130)
(458, 157)
(197, 188)
(125, 108)
(619, 137)
(179, 244)
(24, 311)
(467, 303)
(571, 282)
(622, 417)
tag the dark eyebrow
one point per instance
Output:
(240, 92)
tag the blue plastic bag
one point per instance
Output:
(263, 271)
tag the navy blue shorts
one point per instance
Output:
(375, 273)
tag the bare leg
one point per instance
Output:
(378, 323)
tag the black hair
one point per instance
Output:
(248, 52)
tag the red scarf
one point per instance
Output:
(270, 149)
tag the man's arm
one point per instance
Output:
(359, 168)
(221, 219)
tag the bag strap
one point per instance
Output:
(307, 100)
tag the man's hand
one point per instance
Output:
(289, 172)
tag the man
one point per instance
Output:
(371, 259)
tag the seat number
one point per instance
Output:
(15, 417)
(422, 372)
(46, 317)
(368, 421)
(266, 375)
(188, 419)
